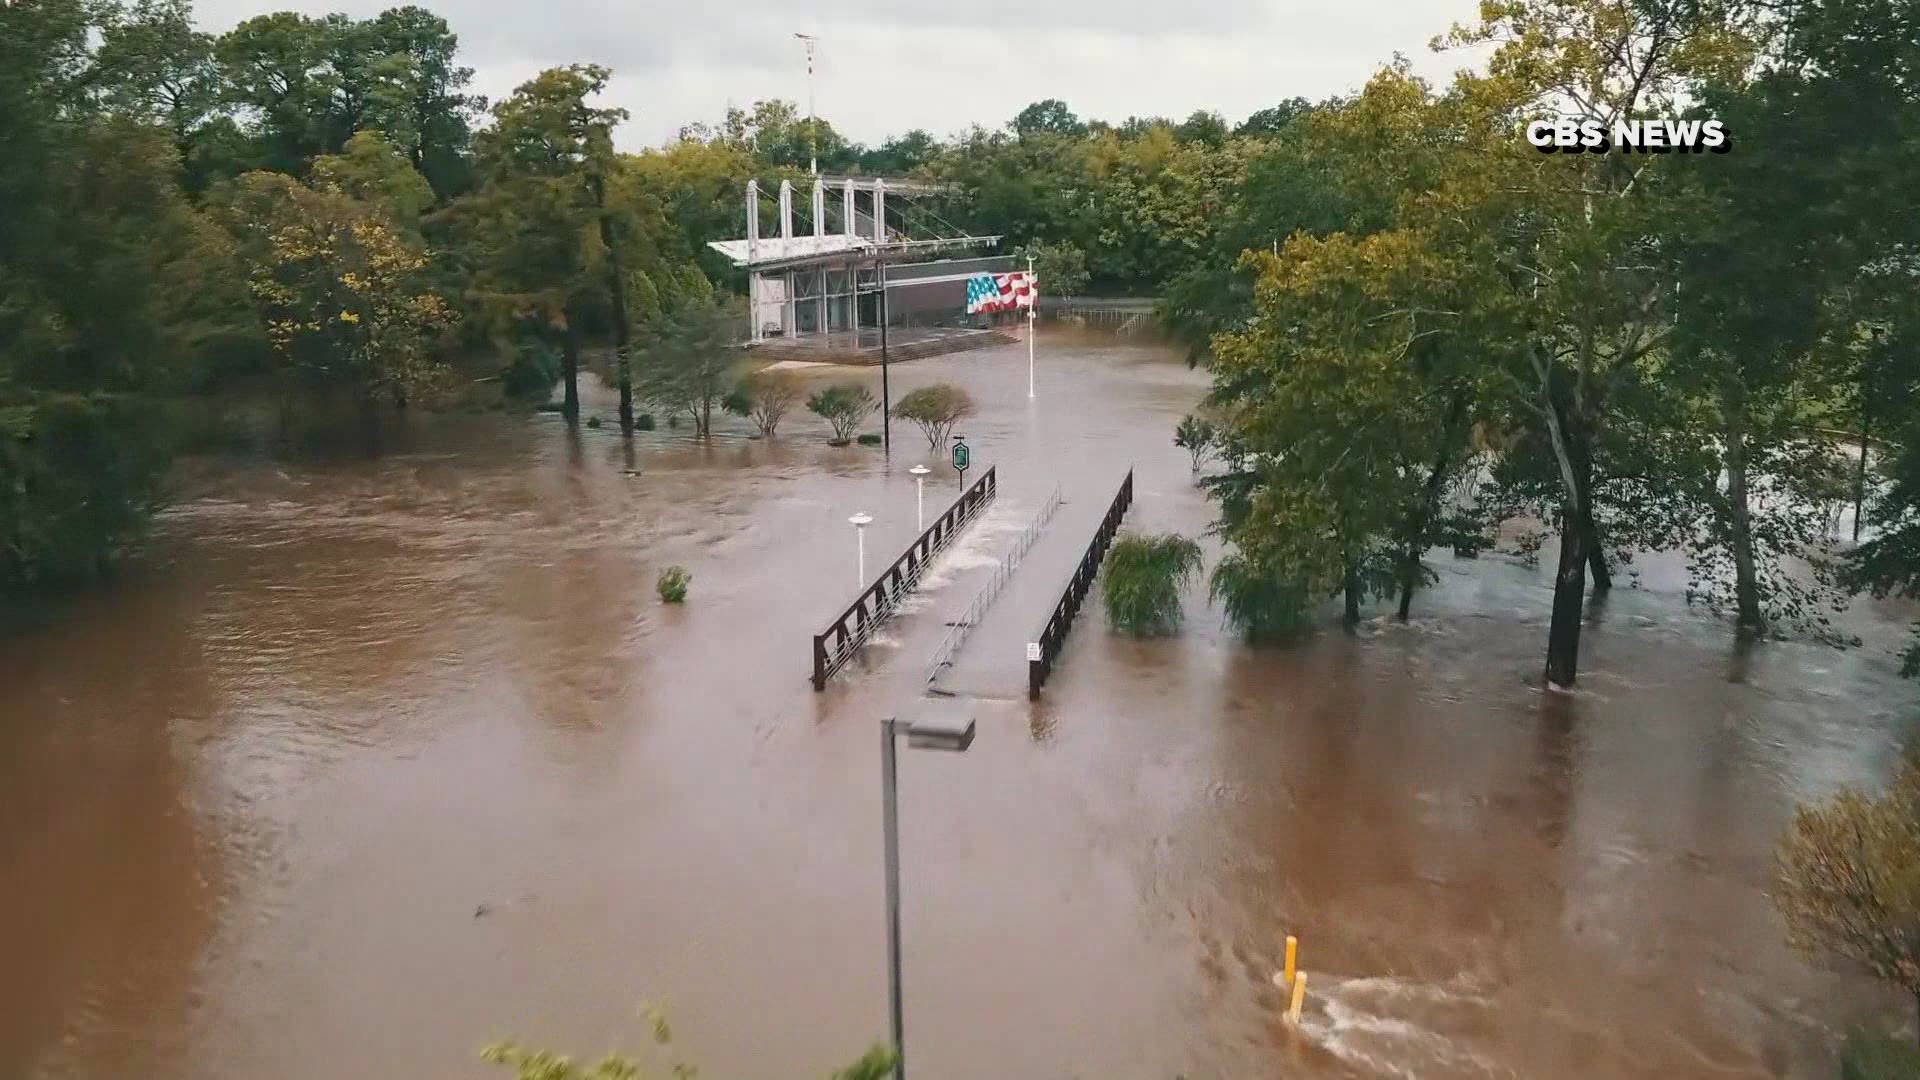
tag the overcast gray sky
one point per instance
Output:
(886, 66)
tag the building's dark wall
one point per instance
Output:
(917, 302)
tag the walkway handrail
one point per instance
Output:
(1042, 653)
(874, 604)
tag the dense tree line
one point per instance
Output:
(1124, 208)
(313, 211)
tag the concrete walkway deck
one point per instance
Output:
(993, 661)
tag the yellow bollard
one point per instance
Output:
(1299, 997)
(1293, 952)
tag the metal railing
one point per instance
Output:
(850, 631)
(1042, 653)
(1081, 305)
(957, 633)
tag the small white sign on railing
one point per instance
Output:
(1033, 651)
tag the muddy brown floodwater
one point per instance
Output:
(376, 760)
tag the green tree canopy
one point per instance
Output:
(1048, 117)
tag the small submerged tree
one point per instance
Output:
(1888, 564)
(1261, 604)
(764, 397)
(843, 405)
(1142, 580)
(936, 409)
(682, 343)
(672, 584)
(1198, 437)
(1849, 878)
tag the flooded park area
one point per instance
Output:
(376, 759)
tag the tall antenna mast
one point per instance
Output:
(813, 149)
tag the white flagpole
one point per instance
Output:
(1033, 307)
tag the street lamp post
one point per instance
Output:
(940, 731)
(860, 523)
(886, 393)
(920, 496)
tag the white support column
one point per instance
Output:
(753, 307)
(820, 233)
(879, 211)
(791, 324)
(786, 210)
(847, 216)
(753, 217)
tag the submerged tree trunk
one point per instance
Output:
(1590, 529)
(1569, 600)
(1596, 551)
(1860, 474)
(1417, 534)
(570, 371)
(1423, 514)
(1352, 589)
(625, 366)
(366, 403)
(621, 348)
(1410, 554)
(1746, 585)
(1409, 577)
(1570, 579)
(617, 297)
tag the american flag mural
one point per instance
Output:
(1001, 292)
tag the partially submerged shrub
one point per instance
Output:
(764, 397)
(869, 439)
(531, 1064)
(1258, 604)
(672, 585)
(1197, 436)
(1848, 878)
(1878, 1057)
(843, 405)
(1142, 579)
(936, 409)
(530, 375)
